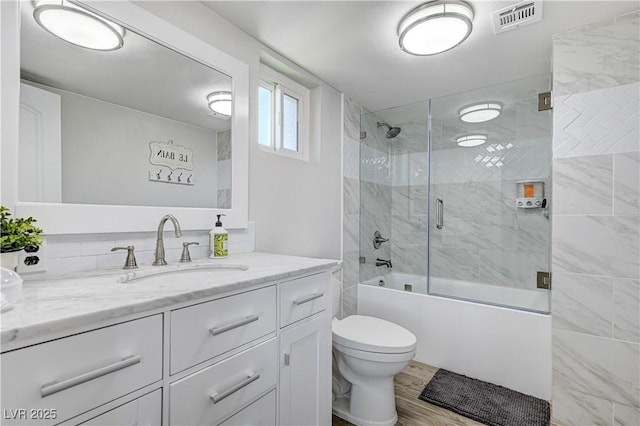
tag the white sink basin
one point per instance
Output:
(197, 272)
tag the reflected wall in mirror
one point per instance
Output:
(129, 126)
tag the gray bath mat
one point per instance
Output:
(485, 402)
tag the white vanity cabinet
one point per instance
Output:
(295, 363)
(260, 413)
(216, 392)
(60, 379)
(216, 330)
(143, 411)
(201, 332)
(256, 355)
(305, 351)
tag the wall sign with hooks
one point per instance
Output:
(179, 177)
(174, 163)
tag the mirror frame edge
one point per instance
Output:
(59, 218)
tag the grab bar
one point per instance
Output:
(439, 213)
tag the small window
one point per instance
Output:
(289, 123)
(282, 115)
(265, 125)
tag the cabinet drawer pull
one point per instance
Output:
(54, 387)
(217, 397)
(244, 321)
(308, 298)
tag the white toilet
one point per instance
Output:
(367, 352)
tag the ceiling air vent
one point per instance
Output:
(517, 15)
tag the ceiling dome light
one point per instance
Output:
(78, 26)
(468, 141)
(220, 102)
(435, 27)
(480, 112)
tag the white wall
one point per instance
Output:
(296, 205)
(93, 148)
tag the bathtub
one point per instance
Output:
(505, 346)
(530, 300)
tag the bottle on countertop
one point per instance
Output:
(218, 241)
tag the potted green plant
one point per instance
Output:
(16, 234)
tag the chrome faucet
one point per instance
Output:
(160, 242)
(382, 262)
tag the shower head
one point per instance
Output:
(392, 132)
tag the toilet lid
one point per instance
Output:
(372, 335)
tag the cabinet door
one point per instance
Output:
(144, 411)
(305, 373)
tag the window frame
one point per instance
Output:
(280, 85)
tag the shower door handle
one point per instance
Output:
(439, 213)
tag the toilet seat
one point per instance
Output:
(369, 334)
(377, 357)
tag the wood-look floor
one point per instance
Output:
(412, 411)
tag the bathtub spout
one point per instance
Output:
(382, 262)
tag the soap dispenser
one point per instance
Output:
(218, 241)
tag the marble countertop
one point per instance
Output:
(66, 302)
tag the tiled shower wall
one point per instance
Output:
(486, 238)
(386, 189)
(596, 224)
(224, 169)
(375, 197)
(351, 205)
(410, 167)
(368, 194)
(367, 200)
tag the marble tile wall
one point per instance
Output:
(409, 196)
(596, 222)
(375, 196)
(393, 199)
(486, 238)
(368, 204)
(86, 252)
(351, 206)
(224, 169)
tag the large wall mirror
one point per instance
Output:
(132, 132)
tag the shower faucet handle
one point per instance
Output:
(378, 240)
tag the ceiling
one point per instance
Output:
(129, 76)
(353, 45)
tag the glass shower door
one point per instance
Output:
(489, 194)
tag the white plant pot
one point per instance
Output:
(9, 259)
